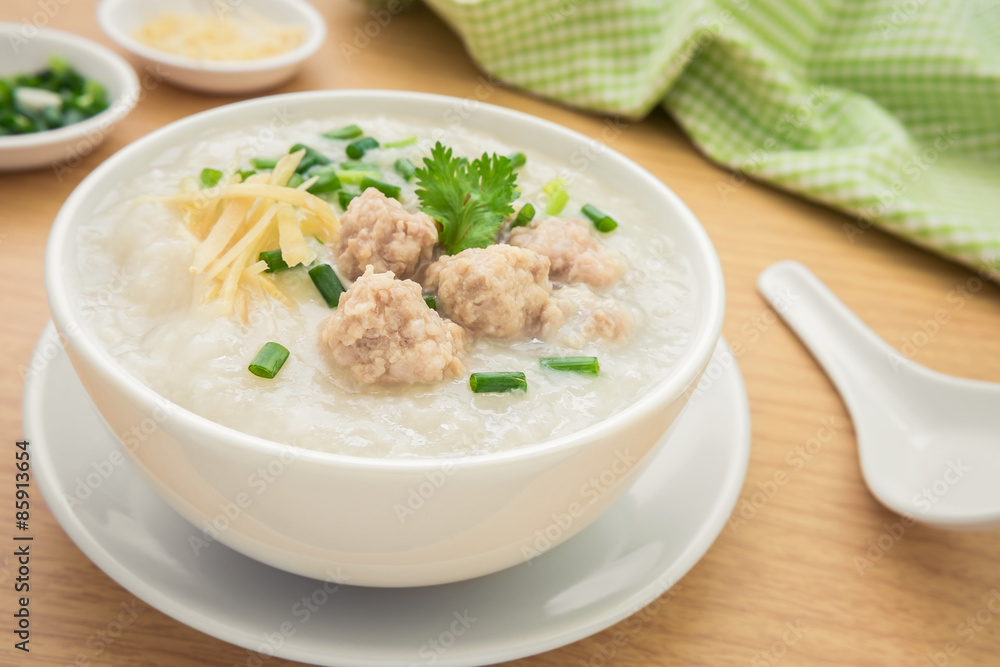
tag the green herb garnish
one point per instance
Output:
(350, 177)
(385, 188)
(583, 365)
(524, 216)
(264, 163)
(558, 197)
(326, 181)
(469, 200)
(312, 158)
(209, 177)
(344, 198)
(405, 168)
(359, 166)
(274, 261)
(482, 383)
(399, 143)
(349, 132)
(357, 149)
(54, 97)
(268, 361)
(328, 284)
(604, 223)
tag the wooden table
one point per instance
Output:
(801, 581)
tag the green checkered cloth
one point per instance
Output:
(886, 109)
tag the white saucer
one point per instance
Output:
(642, 546)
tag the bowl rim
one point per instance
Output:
(681, 376)
(314, 23)
(118, 108)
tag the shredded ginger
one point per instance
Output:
(234, 222)
(204, 37)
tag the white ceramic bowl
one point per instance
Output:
(121, 18)
(326, 515)
(24, 48)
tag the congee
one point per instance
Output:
(381, 288)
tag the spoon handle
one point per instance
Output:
(851, 354)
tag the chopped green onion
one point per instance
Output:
(17, 123)
(93, 100)
(583, 365)
(431, 301)
(245, 174)
(349, 132)
(268, 361)
(517, 160)
(311, 159)
(59, 66)
(344, 198)
(357, 149)
(553, 186)
(210, 177)
(264, 162)
(557, 203)
(524, 216)
(295, 181)
(327, 182)
(558, 197)
(494, 382)
(386, 189)
(359, 166)
(71, 116)
(348, 177)
(399, 143)
(328, 284)
(405, 168)
(602, 221)
(34, 101)
(274, 260)
(51, 98)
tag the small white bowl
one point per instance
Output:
(120, 19)
(335, 513)
(27, 49)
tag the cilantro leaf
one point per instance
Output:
(469, 200)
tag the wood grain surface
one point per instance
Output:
(797, 579)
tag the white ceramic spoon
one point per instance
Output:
(929, 443)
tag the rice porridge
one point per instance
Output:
(140, 296)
